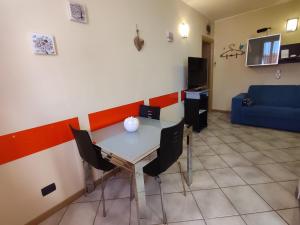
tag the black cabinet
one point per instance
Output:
(195, 110)
(294, 50)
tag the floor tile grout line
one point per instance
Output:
(257, 193)
(268, 203)
(251, 188)
(240, 153)
(254, 189)
(243, 158)
(272, 180)
(183, 221)
(198, 207)
(240, 215)
(253, 164)
(288, 168)
(230, 185)
(277, 164)
(283, 218)
(279, 182)
(190, 190)
(262, 197)
(111, 199)
(229, 200)
(214, 168)
(239, 176)
(272, 210)
(186, 221)
(63, 215)
(246, 183)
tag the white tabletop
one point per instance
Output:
(131, 147)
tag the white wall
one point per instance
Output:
(97, 67)
(231, 77)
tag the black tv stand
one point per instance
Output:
(195, 108)
(201, 88)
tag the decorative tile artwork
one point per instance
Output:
(43, 44)
(77, 12)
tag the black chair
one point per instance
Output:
(151, 112)
(170, 150)
(91, 154)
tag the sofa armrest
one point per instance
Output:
(237, 103)
(240, 97)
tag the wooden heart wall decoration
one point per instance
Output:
(138, 42)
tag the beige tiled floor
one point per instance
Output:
(242, 176)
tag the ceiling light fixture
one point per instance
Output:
(292, 25)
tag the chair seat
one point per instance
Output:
(152, 169)
(105, 164)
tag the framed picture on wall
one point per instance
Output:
(43, 44)
(77, 12)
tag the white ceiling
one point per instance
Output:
(218, 9)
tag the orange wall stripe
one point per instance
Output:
(164, 100)
(23, 143)
(111, 116)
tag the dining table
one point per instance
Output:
(133, 150)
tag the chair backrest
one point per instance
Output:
(171, 140)
(86, 148)
(151, 112)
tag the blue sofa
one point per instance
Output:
(274, 106)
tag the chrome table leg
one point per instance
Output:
(140, 195)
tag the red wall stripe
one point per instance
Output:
(108, 117)
(164, 100)
(183, 95)
(23, 143)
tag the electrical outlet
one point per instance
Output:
(278, 74)
(48, 189)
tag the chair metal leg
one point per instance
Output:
(102, 197)
(88, 177)
(182, 178)
(162, 202)
(298, 191)
(131, 188)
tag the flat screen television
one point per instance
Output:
(263, 51)
(197, 72)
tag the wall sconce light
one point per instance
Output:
(292, 25)
(184, 30)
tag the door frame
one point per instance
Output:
(210, 41)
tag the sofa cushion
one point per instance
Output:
(275, 95)
(288, 113)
